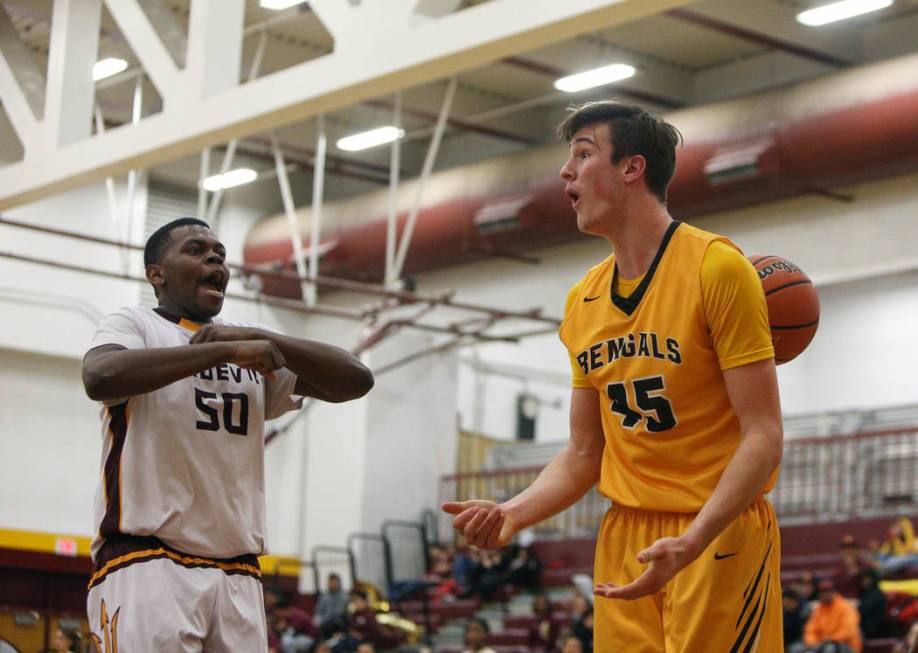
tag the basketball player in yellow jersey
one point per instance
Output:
(674, 411)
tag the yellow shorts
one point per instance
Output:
(726, 601)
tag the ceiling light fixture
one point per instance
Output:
(232, 178)
(836, 11)
(596, 77)
(279, 4)
(368, 139)
(108, 67)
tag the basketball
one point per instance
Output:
(793, 305)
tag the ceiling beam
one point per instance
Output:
(377, 51)
(774, 25)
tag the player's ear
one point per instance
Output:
(155, 276)
(635, 167)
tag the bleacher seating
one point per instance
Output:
(562, 559)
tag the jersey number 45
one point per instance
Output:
(655, 409)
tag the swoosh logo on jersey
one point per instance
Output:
(718, 556)
(591, 299)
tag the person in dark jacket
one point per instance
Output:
(872, 605)
(794, 620)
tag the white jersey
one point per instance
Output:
(185, 463)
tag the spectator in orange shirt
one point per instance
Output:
(834, 624)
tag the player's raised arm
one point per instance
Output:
(113, 372)
(323, 371)
(570, 475)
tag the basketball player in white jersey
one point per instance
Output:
(180, 508)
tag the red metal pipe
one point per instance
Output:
(851, 128)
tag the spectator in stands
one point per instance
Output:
(290, 638)
(853, 561)
(66, 640)
(321, 647)
(899, 550)
(490, 574)
(364, 626)
(476, 636)
(441, 564)
(834, 622)
(794, 620)
(807, 590)
(571, 645)
(366, 647)
(543, 635)
(331, 608)
(872, 605)
(465, 562)
(582, 625)
(525, 569)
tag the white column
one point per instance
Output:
(215, 44)
(73, 50)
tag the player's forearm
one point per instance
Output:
(128, 372)
(335, 373)
(562, 483)
(757, 456)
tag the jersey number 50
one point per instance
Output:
(657, 410)
(212, 415)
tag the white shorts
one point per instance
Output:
(157, 599)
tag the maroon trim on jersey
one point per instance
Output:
(123, 551)
(117, 426)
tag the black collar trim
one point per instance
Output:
(630, 303)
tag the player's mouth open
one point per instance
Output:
(574, 197)
(214, 283)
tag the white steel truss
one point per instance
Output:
(381, 46)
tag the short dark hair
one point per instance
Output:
(481, 622)
(632, 130)
(157, 243)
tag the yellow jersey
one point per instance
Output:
(656, 358)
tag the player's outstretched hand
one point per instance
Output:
(215, 333)
(260, 355)
(664, 559)
(484, 524)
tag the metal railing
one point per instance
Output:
(840, 477)
(372, 560)
(833, 478)
(331, 559)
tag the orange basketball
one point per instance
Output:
(793, 305)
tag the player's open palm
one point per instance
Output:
(260, 355)
(664, 559)
(484, 524)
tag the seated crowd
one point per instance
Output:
(342, 623)
(838, 612)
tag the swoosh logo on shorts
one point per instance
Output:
(718, 556)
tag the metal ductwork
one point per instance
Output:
(842, 129)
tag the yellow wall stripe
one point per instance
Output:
(47, 543)
(42, 542)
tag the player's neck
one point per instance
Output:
(174, 312)
(636, 236)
